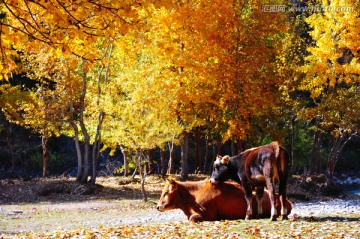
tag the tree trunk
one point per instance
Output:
(233, 146)
(138, 165)
(150, 165)
(97, 140)
(44, 141)
(86, 162)
(77, 143)
(218, 147)
(315, 158)
(143, 173)
(184, 156)
(197, 164)
(292, 143)
(135, 169)
(239, 147)
(215, 153)
(335, 152)
(171, 159)
(13, 158)
(95, 160)
(83, 128)
(96, 147)
(163, 162)
(206, 153)
(126, 165)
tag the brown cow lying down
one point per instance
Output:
(203, 201)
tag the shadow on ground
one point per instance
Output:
(347, 218)
(68, 190)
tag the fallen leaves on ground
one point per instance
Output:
(298, 228)
(45, 210)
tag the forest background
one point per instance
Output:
(91, 87)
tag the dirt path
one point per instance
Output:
(33, 217)
(68, 216)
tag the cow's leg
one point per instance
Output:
(268, 174)
(248, 198)
(282, 194)
(259, 199)
(271, 187)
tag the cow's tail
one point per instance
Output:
(276, 147)
(282, 159)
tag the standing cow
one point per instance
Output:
(256, 168)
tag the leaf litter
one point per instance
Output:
(103, 214)
(219, 229)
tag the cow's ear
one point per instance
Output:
(170, 179)
(173, 186)
(225, 159)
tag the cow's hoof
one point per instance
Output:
(248, 217)
(195, 218)
(284, 217)
(273, 218)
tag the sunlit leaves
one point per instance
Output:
(226, 54)
(332, 67)
(44, 107)
(67, 26)
(143, 91)
(174, 68)
(175, 65)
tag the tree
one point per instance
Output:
(38, 108)
(229, 53)
(141, 93)
(332, 74)
(71, 31)
(42, 114)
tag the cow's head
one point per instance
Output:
(169, 195)
(220, 171)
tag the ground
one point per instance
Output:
(56, 205)
(53, 190)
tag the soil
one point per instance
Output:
(61, 203)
